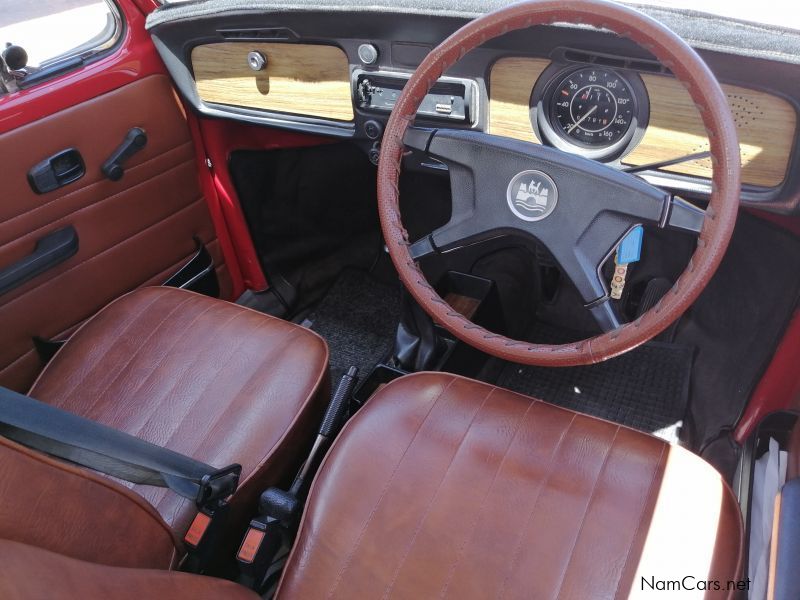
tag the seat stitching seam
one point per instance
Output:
(586, 508)
(178, 338)
(482, 505)
(217, 417)
(285, 340)
(385, 489)
(138, 432)
(126, 327)
(131, 358)
(439, 487)
(650, 489)
(542, 485)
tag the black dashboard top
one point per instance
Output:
(701, 30)
(740, 54)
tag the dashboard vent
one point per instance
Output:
(275, 34)
(615, 62)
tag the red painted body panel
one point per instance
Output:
(789, 223)
(215, 203)
(146, 6)
(135, 57)
(779, 387)
(220, 138)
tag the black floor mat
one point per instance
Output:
(358, 318)
(647, 388)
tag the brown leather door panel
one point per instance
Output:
(132, 232)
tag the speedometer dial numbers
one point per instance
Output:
(593, 107)
(596, 112)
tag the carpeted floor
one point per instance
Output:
(358, 318)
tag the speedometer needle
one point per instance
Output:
(582, 119)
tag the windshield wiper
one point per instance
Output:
(667, 163)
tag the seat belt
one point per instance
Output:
(90, 444)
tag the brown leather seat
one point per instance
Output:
(31, 573)
(206, 378)
(443, 487)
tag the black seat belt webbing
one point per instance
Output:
(65, 435)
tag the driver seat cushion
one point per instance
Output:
(444, 487)
(207, 378)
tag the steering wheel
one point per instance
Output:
(589, 207)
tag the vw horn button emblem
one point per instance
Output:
(532, 195)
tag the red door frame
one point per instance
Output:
(133, 58)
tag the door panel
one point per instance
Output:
(135, 231)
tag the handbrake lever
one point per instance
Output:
(330, 426)
(279, 509)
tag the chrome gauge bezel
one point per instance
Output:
(542, 118)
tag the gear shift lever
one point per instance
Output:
(417, 345)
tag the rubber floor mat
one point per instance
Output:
(647, 388)
(358, 318)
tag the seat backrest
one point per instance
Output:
(75, 512)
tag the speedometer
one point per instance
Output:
(594, 111)
(592, 107)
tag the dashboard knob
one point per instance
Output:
(368, 54)
(373, 129)
(256, 60)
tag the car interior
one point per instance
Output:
(407, 299)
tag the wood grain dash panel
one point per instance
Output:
(766, 124)
(511, 81)
(302, 79)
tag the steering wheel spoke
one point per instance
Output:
(685, 216)
(582, 256)
(578, 209)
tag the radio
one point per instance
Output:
(450, 99)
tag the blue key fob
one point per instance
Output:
(630, 248)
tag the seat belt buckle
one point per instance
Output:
(203, 535)
(260, 545)
(215, 487)
(197, 530)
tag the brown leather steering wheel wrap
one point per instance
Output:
(720, 216)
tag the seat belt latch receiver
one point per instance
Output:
(215, 487)
(260, 545)
(203, 536)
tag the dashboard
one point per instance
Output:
(641, 116)
(583, 91)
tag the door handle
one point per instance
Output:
(51, 250)
(57, 171)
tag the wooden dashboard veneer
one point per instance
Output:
(766, 124)
(301, 79)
